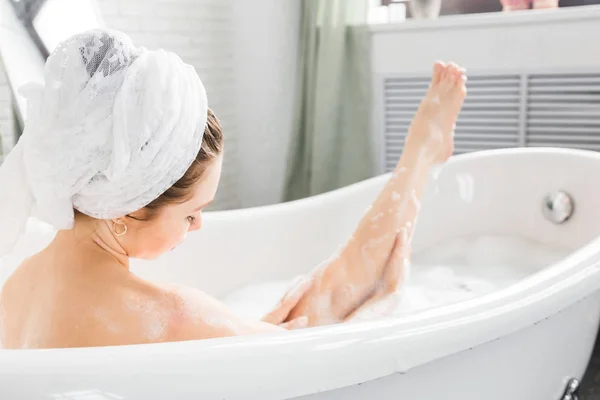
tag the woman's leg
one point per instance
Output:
(351, 277)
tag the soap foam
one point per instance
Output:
(451, 271)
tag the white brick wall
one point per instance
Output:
(201, 33)
(7, 121)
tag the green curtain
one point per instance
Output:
(331, 143)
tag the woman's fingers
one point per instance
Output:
(288, 302)
(381, 304)
(297, 323)
(385, 298)
(398, 265)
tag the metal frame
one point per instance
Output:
(26, 11)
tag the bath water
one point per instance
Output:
(450, 271)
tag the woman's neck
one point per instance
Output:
(94, 240)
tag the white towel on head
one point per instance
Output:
(110, 130)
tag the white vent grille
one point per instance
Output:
(564, 111)
(401, 99)
(503, 110)
(490, 115)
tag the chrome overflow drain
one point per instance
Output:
(558, 207)
(571, 391)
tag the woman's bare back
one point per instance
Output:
(46, 304)
(53, 301)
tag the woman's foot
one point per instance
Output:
(432, 130)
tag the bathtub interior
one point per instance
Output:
(487, 193)
(494, 192)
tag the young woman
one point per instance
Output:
(121, 154)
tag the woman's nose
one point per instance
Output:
(196, 225)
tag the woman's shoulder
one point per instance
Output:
(168, 312)
(197, 315)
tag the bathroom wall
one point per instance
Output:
(245, 52)
(201, 33)
(7, 120)
(266, 55)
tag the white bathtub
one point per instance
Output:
(520, 343)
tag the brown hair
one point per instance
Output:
(212, 146)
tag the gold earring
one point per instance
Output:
(116, 232)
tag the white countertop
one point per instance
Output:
(497, 18)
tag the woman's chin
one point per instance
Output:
(154, 255)
(176, 246)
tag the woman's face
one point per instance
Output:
(170, 224)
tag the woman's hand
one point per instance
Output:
(280, 313)
(386, 297)
(337, 300)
